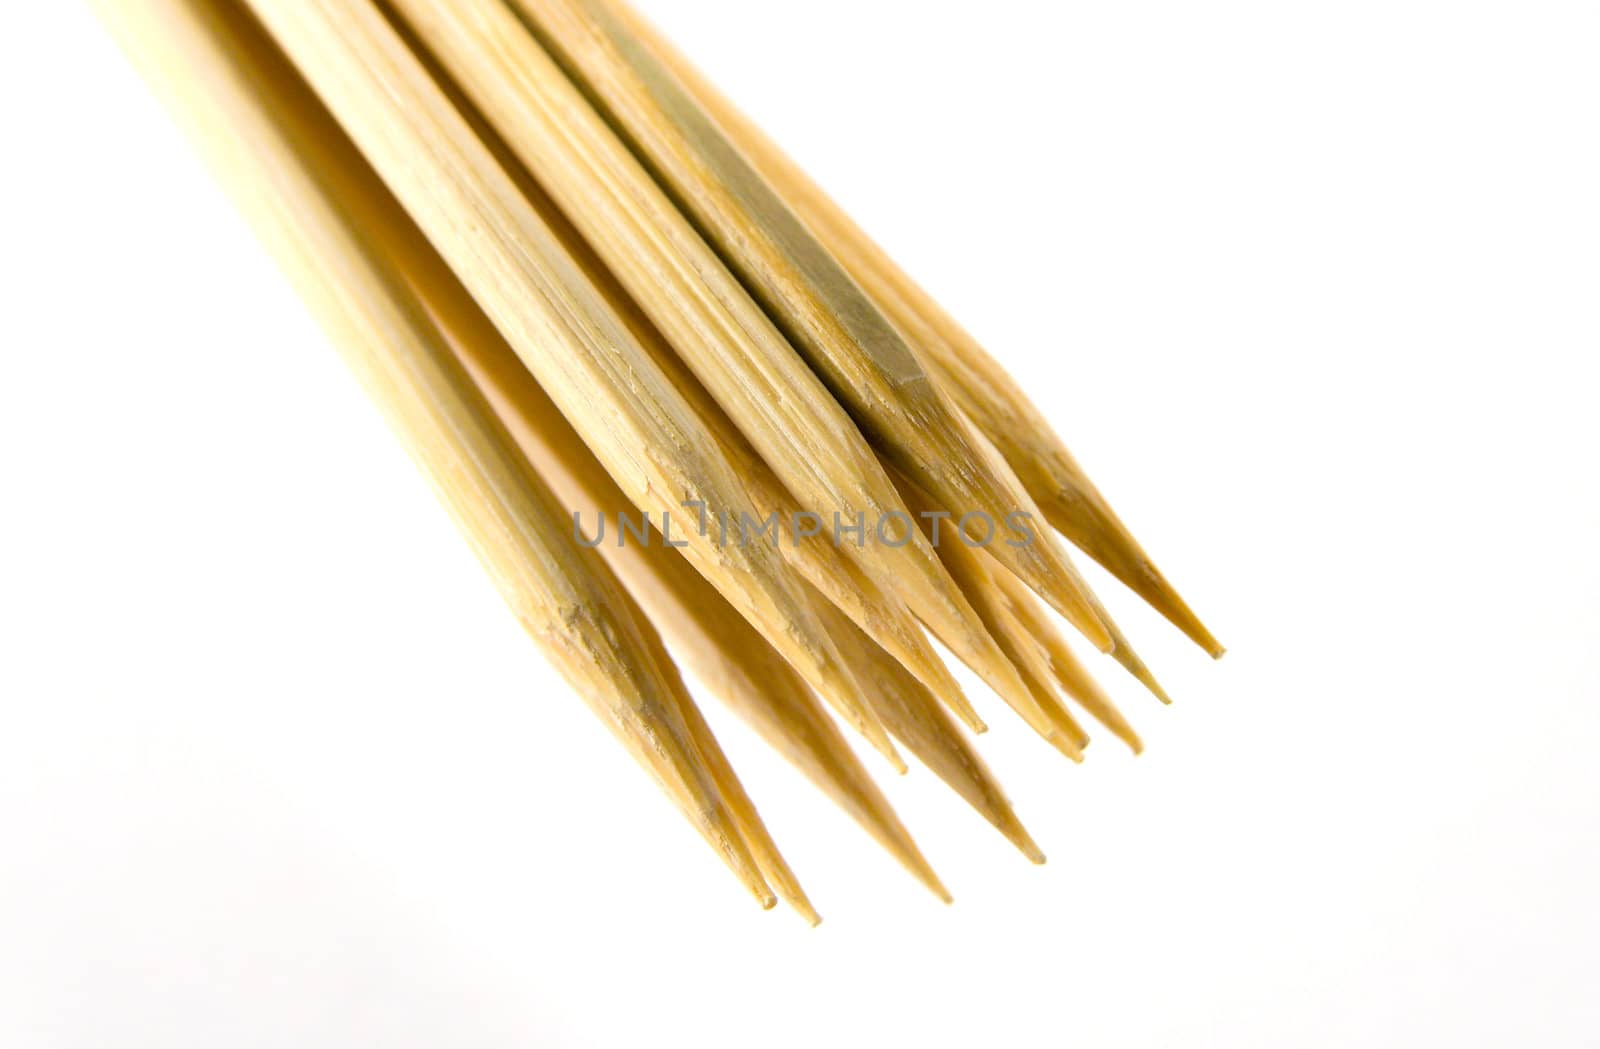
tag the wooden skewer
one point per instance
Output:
(884, 618)
(979, 385)
(627, 411)
(752, 829)
(219, 76)
(1056, 725)
(739, 357)
(922, 727)
(1073, 676)
(555, 256)
(848, 342)
(720, 648)
(1122, 650)
(717, 645)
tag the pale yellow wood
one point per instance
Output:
(625, 409)
(717, 645)
(921, 725)
(742, 361)
(1072, 675)
(970, 569)
(219, 76)
(974, 379)
(846, 339)
(883, 617)
(1121, 649)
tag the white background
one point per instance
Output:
(1310, 288)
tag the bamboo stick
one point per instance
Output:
(883, 618)
(921, 725)
(717, 645)
(721, 648)
(848, 342)
(979, 385)
(733, 349)
(555, 257)
(1122, 650)
(1059, 729)
(1072, 675)
(218, 77)
(625, 409)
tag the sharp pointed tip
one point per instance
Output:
(1066, 746)
(1018, 835)
(880, 743)
(1166, 601)
(802, 906)
(965, 714)
(1179, 615)
(1083, 620)
(894, 837)
(1131, 662)
(1103, 537)
(953, 699)
(911, 858)
(975, 646)
(1177, 612)
(1156, 690)
(860, 713)
(1007, 682)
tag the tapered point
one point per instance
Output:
(1130, 661)
(924, 873)
(1018, 835)
(1148, 680)
(867, 723)
(802, 906)
(1082, 618)
(1065, 745)
(957, 703)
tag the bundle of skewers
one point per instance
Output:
(588, 293)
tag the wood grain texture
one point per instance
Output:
(979, 385)
(1122, 651)
(1040, 707)
(843, 335)
(923, 727)
(239, 103)
(708, 636)
(584, 357)
(884, 617)
(739, 357)
(1069, 671)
